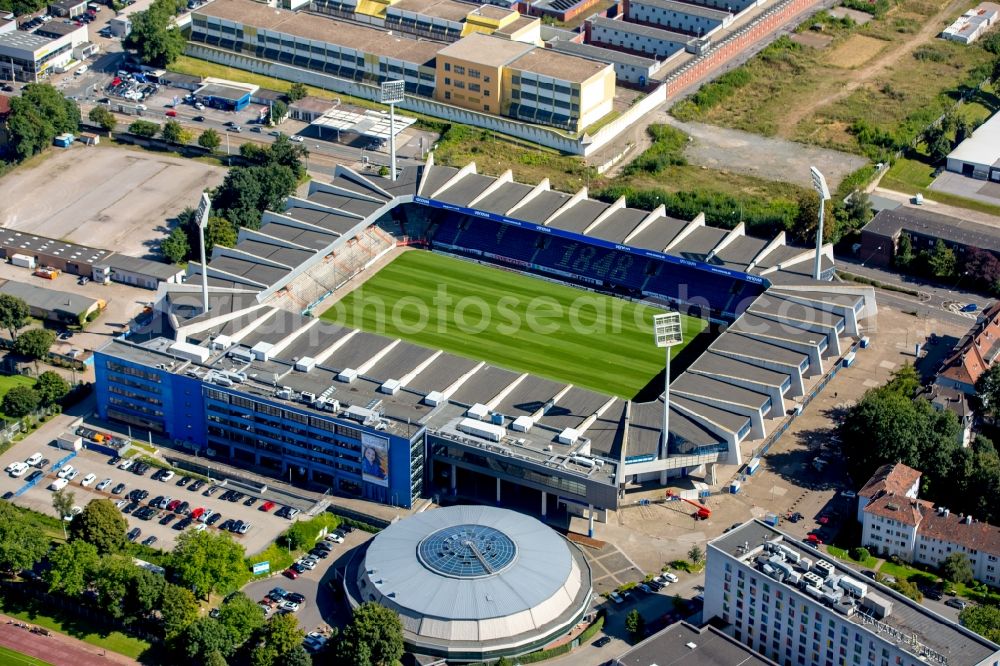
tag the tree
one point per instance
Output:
(72, 566)
(174, 132)
(297, 91)
(22, 544)
(62, 502)
(175, 246)
(205, 636)
(278, 112)
(103, 118)
(247, 191)
(988, 389)
(220, 231)
(908, 589)
(285, 152)
(938, 144)
(635, 624)
(179, 609)
(205, 562)
(112, 581)
(696, 555)
(942, 261)
(210, 140)
(14, 314)
(808, 218)
(984, 620)
(379, 629)
(37, 116)
(20, 401)
(35, 343)
(860, 554)
(904, 252)
(51, 387)
(144, 128)
(215, 659)
(145, 593)
(157, 43)
(277, 640)
(297, 656)
(956, 568)
(241, 617)
(102, 524)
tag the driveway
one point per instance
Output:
(323, 607)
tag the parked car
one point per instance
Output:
(319, 553)
(34, 475)
(250, 501)
(243, 528)
(103, 484)
(602, 641)
(167, 519)
(134, 533)
(213, 519)
(149, 541)
(227, 525)
(64, 472)
(308, 563)
(114, 460)
(295, 597)
(289, 606)
(183, 481)
(290, 572)
(33, 459)
(126, 464)
(73, 474)
(957, 604)
(87, 480)
(266, 506)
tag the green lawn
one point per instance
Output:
(517, 322)
(7, 382)
(13, 658)
(78, 628)
(842, 554)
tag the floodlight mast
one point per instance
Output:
(819, 184)
(201, 217)
(667, 333)
(391, 93)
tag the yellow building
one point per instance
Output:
(500, 76)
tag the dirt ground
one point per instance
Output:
(812, 39)
(856, 51)
(786, 482)
(105, 197)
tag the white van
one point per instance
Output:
(81, 70)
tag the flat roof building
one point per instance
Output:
(682, 644)
(25, 56)
(971, 25)
(52, 305)
(979, 155)
(52, 253)
(793, 604)
(880, 237)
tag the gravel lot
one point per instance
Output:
(105, 197)
(265, 526)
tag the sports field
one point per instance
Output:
(512, 321)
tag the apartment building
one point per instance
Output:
(785, 600)
(894, 521)
(677, 16)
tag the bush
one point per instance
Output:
(590, 631)
(668, 146)
(877, 8)
(860, 554)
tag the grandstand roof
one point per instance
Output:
(713, 396)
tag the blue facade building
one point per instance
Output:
(247, 427)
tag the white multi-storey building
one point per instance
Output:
(894, 521)
(783, 599)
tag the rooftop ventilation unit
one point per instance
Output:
(877, 605)
(347, 375)
(434, 398)
(222, 342)
(188, 351)
(390, 386)
(487, 431)
(568, 436)
(823, 568)
(853, 587)
(478, 411)
(285, 393)
(522, 424)
(360, 414)
(305, 364)
(262, 351)
(307, 397)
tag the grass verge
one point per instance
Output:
(518, 322)
(12, 658)
(76, 627)
(841, 554)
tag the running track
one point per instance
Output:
(58, 649)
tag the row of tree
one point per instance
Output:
(37, 116)
(272, 174)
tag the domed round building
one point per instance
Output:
(474, 582)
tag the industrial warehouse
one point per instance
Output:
(255, 383)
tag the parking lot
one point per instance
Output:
(323, 606)
(104, 197)
(264, 526)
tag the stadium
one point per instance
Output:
(473, 582)
(425, 327)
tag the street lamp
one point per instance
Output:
(668, 332)
(391, 93)
(819, 184)
(201, 216)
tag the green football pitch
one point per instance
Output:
(513, 321)
(9, 657)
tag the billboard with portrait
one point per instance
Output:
(375, 459)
